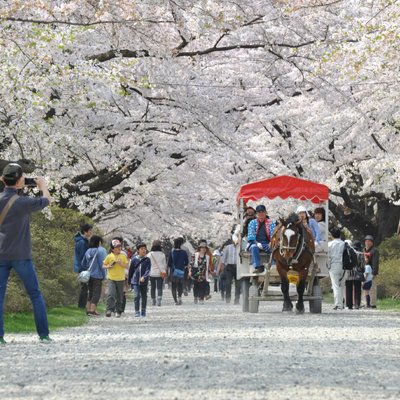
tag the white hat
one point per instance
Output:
(302, 209)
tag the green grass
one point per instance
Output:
(59, 317)
(387, 304)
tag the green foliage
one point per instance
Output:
(390, 248)
(389, 268)
(53, 253)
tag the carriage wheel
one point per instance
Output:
(316, 305)
(253, 304)
(245, 294)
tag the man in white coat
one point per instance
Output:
(336, 272)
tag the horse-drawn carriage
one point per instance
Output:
(280, 271)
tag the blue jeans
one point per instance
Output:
(26, 271)
(140, 293)
(255, 253)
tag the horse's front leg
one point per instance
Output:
(287, 303)
(300, 292)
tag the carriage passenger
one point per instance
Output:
(310, 223)
(259, 236)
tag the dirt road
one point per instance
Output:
(211, 351)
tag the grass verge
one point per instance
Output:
(387, 304)
(59, 317)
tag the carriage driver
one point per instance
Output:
(259, 236)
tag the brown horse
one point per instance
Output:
(292, 248)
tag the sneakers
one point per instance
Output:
(195, 300)
(201, 301)
(143, 313)
(108, 314)
(153, 302)
(137, 313)
(117, 315)
(2, 341)
(208, 297)
(45, 339)
(179, 301)
(159, 301)
(258, 270)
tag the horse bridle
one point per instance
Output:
(299, 247)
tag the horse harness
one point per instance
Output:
(300, 246)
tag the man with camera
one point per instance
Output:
(15, 242)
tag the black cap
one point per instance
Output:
(261, 207)
(12, 171)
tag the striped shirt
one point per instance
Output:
(229, 255)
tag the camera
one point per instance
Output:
(30, 182)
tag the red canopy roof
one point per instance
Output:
(284, 187)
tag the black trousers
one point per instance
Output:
(83, 295)
(230, 273)
(177, 286)
(156, 283)
(353, 288)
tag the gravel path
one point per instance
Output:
(213, 351)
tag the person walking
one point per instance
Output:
(139, 272)
(93, 261)
(177, 263)
(229, 265)
(335, 266)
(199, 272)
(115, 263)
(81, 245)
(158, 272)
(354, 278)
(374, 262)
(16, 244)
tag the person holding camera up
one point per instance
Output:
(16, 245)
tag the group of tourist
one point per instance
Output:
(125, 270)
(347, 285)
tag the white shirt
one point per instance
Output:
(368, 273)
(336, 247)
(158, 263)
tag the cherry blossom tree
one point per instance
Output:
(150, 115)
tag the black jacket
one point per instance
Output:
(374, 259)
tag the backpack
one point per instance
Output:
(350, 259)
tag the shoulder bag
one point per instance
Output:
(84, 276)
(7, 207)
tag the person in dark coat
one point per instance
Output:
(81, 246)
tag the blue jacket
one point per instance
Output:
(81, 245)
(139, 268)
(97, 271)
(313, 224)
(254, 226)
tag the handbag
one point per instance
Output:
(178, 273)
(84, 276)
(359, 275)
